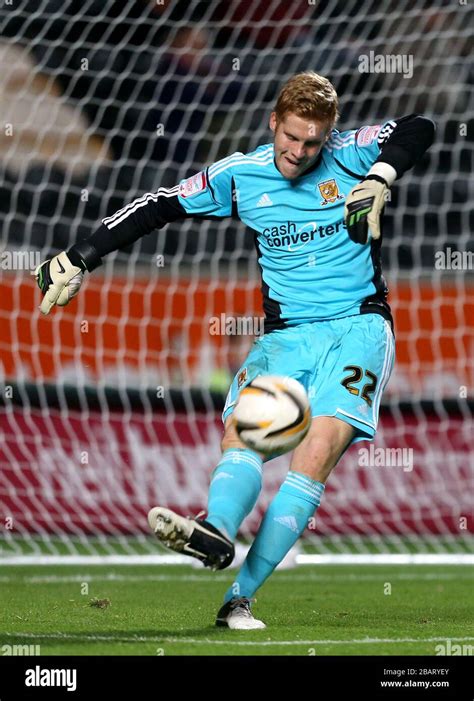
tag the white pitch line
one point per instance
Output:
(113, 577)
(301, 559)
(229, 641)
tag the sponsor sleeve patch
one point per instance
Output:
(385, 132)
(193, 185)
(367, 135)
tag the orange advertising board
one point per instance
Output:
(163, 326)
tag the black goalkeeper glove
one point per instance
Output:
(364, 208)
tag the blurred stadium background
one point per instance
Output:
(112, 404)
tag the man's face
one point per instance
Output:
(298, 143)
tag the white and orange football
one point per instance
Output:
(272, 414)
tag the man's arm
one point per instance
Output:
(61, 277)
(402, 143)
(139, 218)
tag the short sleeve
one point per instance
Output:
(358, 149)
(209, 192)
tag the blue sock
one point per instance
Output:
(234, 489)
(285, 520)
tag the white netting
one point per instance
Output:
(102, 101)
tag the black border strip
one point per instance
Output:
(54, 396)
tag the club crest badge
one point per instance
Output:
(329, 191)
(242, 377)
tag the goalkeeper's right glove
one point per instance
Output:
(60, 278)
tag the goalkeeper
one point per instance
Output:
(313, 200)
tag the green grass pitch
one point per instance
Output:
(324, 610)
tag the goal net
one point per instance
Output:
(112, 404)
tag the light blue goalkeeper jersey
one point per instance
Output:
(311, 269)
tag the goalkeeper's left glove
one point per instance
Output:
(364, 208)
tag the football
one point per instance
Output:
(272, 414)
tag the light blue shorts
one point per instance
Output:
(344, 364)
